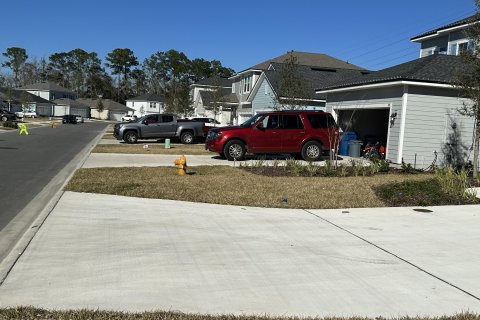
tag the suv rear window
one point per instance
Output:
(321, 120)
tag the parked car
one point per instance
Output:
(159, 125)
(69, 118)
(79, 118)
(209, 122)
(129, 117)
(6, 115)
(26, 114)
(301, 133)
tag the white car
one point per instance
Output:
(79, 118)
(26, 114)
(129, 117)
(209, 122)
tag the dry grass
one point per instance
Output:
(152, 149)
(227, 185)
(29, 313)
(109, 135)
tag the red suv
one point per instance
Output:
(305, 133)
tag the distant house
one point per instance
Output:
(256, 89)
(17, 100)
(412, 108)
(146, 103)
(48, 91)
(66, 106)
(112, 110)
(449, 39)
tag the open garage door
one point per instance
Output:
(370, 125)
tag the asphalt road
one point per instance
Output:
(28, 164)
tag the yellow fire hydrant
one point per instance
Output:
(53, 124)
(181, 164)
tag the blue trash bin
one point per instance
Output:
(346, 137)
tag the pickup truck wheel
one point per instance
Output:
(130, 137)
(312, 151)
(234, 150)
(186, 137)
(4, 118)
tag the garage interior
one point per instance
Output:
(368, 124)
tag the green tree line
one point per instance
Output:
(120, 76)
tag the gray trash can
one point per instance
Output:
(354, 147)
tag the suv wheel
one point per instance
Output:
(312, 151)
(130, 137)
(186, 137)
(234, 150)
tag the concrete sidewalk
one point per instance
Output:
(132, 254)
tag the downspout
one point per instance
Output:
(402, 124)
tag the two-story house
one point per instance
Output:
(49, 91)
(146, 103)
(256, 89)
(448, 39)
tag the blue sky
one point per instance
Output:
(371, 33)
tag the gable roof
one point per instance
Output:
(108, 104)
(45, 86)
(226, 97)
(437, 31)
(313, 78)
(215, 82)
(148, 97)
(309, 59)
(440, 69)
(18, 96)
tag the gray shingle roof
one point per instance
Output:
(148, 97)
(108, 104)
(45, 86)
(17, 96)
(226, 96)
(433, 69)
(457, 23)
(309, 59)
(313, 77)
(216, 82)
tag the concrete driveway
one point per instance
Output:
(132, 254)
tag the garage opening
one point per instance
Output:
(370, 125)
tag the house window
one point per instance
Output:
(247, 81)
(456, 48)
(152, 105)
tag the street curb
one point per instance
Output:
(61, 179)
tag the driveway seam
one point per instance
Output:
(393, 254)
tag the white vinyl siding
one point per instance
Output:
(428, 120)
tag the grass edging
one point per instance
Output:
(31, 313)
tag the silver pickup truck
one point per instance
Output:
(159, 125)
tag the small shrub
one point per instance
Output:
(10, 124)
(407, 167)
(312, 169)
(294, 167)
(342, 170)
(455, 183)
(381, 165)
(328, 170)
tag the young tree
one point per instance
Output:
(292, 92)
(16, 59)
(100, 106)
(468, 81)
(184, 105)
